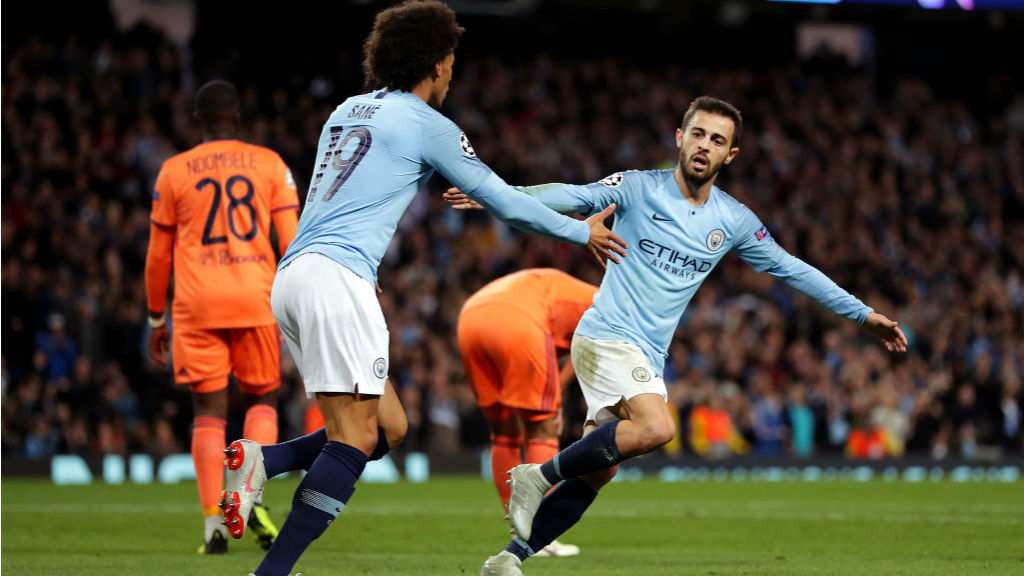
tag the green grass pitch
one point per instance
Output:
(451, 524)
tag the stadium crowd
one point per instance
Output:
(911, 200)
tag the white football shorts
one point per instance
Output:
(333, 324)
(609, 371)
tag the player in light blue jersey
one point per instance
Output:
(680, 226)
(376, 150)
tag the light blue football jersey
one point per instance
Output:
(673, 246)
(376, 150)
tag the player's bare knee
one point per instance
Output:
(657, 433)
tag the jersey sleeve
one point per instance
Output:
(447, 149)
(754, 244)
(164, 212)
(756, 247)
(526, 213)
(619, 188)
(285, 195)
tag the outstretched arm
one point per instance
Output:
(757, 248)
(522, 211)
(812, 282)
(600, 249)
(562, 198)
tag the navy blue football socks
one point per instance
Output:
(595, 451)
(559, 511)
(297, 454)
(318, 500)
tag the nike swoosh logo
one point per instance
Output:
(248, 485)
(660, 218)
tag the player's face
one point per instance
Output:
(443, 81)
(705, 145)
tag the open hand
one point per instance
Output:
(460, 201)
(887, 331)
(604, 244)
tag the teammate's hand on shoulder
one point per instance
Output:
(604, 244)
(887, 331)
(460, 201)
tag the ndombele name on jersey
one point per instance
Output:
(236, 160)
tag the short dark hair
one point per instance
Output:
(216, 100)
(406, 41)
(720, 107)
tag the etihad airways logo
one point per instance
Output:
(672, 261)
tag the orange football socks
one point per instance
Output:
(506, 453)
(261, 424)
(208, 456)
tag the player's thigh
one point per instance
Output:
(201, 358)
(610, 371)
(333, 323)
(256, 358)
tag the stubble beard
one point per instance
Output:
(693, 178)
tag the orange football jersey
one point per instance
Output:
(219, 197)
(551, 298)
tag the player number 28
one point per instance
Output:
(333, 157)
(234, 203)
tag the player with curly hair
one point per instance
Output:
(376, 150)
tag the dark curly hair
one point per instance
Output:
(406, 41)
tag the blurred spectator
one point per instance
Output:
(58, 353)
(890, 421)
(713, 433)
(769, 426)
(801, 422)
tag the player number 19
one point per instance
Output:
(333, 157)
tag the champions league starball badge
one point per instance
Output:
(467, 148)
(612, 181)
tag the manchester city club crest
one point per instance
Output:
(380, 368)
(612, 181)
(641, 374)
(715, 239)
(467, 148)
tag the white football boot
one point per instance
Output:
(244, 486)
(528, 489)
(503, 564)
(557, 548)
